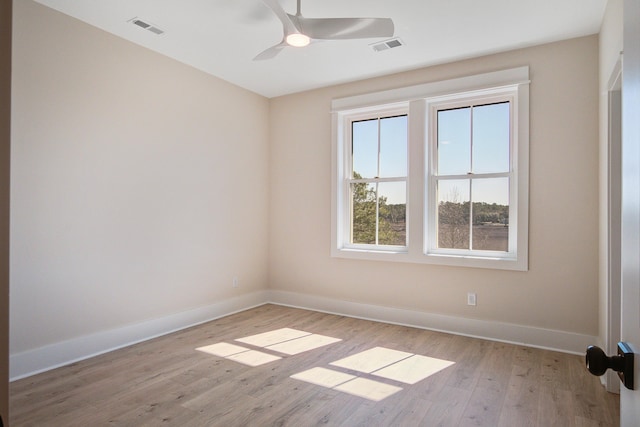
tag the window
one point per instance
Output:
(469, 177)
(377, 181)
(436, 173)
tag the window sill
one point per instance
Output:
(495, 263)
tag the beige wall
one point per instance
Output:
(560, 290)
(5, 120)
(139, 184)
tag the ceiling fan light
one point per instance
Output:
(298, 40)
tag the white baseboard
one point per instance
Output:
(566, 342)
(62, 353)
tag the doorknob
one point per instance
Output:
(598, 363)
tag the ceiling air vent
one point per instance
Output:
(386, 45)
(146, 25)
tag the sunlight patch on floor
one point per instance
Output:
(285, 341)
(273, 337)
(222, 349)
(368, 389)
(288, 341)
(300, 345)
(413, 369)
(386, 363)
(371, 360)
(324, 377)
(346, 383)
(238, 354)
(253, 358)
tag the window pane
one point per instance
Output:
(491, 138)
(392, 220)
(393, 146)
(491, 214)
(365, 148)
(363, 217)
(454, 141)
(453, 214)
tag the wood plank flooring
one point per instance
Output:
(166, 382)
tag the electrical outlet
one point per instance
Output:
(235, 282)
(471, 298)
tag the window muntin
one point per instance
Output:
(378, 181)
(471, 176)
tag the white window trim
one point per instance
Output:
(417, 99)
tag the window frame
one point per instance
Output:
(419, 101)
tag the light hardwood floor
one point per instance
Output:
(165, 381)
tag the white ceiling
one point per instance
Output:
(221, 37)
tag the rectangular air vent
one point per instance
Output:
(146, 25)
(386, 45)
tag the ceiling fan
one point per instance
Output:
(300, 31)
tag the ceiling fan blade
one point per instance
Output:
(288, 24)
(270, 52)
(345, 28)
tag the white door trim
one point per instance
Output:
(614, 203)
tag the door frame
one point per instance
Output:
(614, 214)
